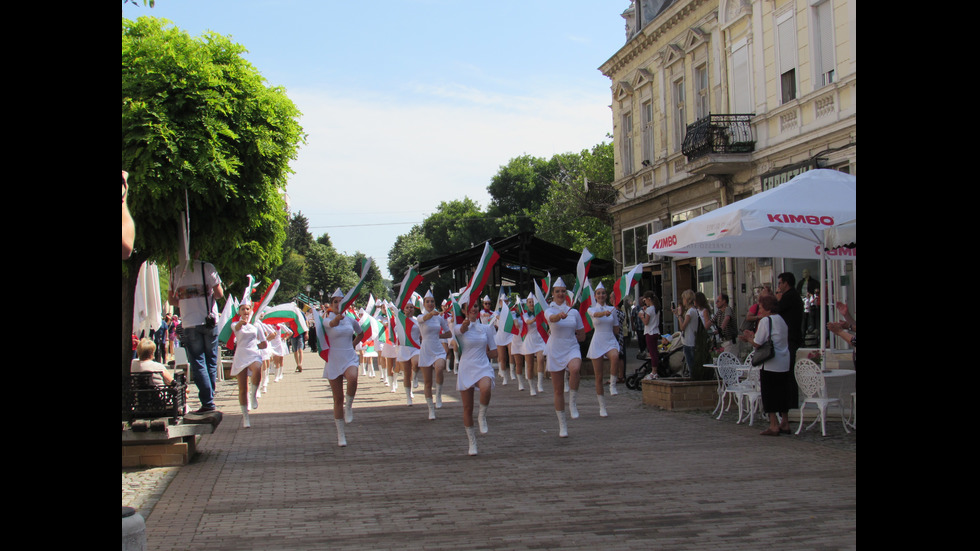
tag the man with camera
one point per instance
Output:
(194, 289)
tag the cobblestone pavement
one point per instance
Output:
(640, 478)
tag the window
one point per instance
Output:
(680, 123)
(741, 79)
(702, 107)
(786, 52)
(823, 43)
(627, 149)
(647, 114)
(635, 243)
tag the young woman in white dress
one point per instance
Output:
(247, 361)
(604, 344)
(567, 331)
(475, 370)
(504, 339)
(516, 350)
(533, 349)
(408, 355)
(341, 365)
(279, 349)
(432, 356)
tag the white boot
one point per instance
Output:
(432, 408)
(245, 422)
(471, 436)
(348, 409)
(483, 419)
(503, 375)
(394, 382)
(512, 374)
(415, 379)
(602, 406)
(530, 386)
(562, 424)
(567, 388)
(438, 396)
(573, 403)
(371, 372)
(612, 386)
(541, 381)
(253, 398)
(341, 437)
(278, 374)
(520, 382)
(408, 394)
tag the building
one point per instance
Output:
(712, 101)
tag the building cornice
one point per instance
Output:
(648, 36)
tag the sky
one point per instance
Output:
(409, 103)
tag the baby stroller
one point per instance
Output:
(671, 364)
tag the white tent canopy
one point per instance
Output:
(788, 221)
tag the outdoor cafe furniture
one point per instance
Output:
(812, 383)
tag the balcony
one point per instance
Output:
(719, 144)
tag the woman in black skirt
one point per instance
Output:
(778, 390)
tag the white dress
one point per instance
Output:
(432, 349)
(407, 351)
(473, 363)
(563, 345)
(603, 340)
(341, 340)
(533, 342)
(278, 344)
(246, 347)
(502, 337)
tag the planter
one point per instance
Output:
(680, 394)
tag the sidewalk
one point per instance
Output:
(638, 479)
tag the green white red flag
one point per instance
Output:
(581, 273)
(409, 283)
(584, 304)
(287, 314)
(323, 342)
(480, 276)
(250, 288)
(625, 284)
(540, 303)
(355, 292)
(403, 330)
(229, 315)
(266, 299)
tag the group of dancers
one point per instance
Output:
(259, 352)
(434, 336)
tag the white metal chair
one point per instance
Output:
(727, 364)
(852, 419)
(749, 390)
(814, 388)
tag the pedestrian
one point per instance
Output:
(533, 348)
(649, 314)
(476, 343)
(687, 312)
(564, 353)
(432, 356)
(779, 394)
(724, 320)
(341, 330)
(246, 364)
(195, 289)
(408, 353)
(604, 345)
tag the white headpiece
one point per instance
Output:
(559, 283)
(486, 298)
(429, 294)
(599, 286)
(337, 293)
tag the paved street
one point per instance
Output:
(639, 479)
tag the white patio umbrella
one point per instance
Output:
(788, 221)
(147, 307)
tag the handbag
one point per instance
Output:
(765, 351)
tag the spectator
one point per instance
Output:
(650, 316)
(791, 310)
(145, 351)
(724, 320)
(194, 289)
(779, 393)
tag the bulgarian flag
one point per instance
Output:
(583, 307)
(266, 299)
(480, 276)
(510, 323)
(228, 317)
(539, 307)
(287, 314)
(546, 285)
(371, 328)
(249, 289)
(625, 284)
(403, 330)
(581, 273)
(519, 308)
(355, 292)
(323, 343)
(411, 281)
(372, 307)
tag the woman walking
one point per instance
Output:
(687, 312)
(567, 331)
(477, 344)
(408, 355)
(533, 348)
(605, 345)
(341, 330)
(650, 316)
(247, 362)
(432, 356)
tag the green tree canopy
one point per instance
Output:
(205, 140)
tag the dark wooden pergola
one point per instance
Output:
(523, 258)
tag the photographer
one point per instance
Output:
(195, 289)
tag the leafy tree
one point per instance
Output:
(298, 236)
(205, 140)
(409, 249)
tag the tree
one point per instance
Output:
(409, 249)
(204, 140)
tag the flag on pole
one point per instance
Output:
(625, 284)
(323, 343)
(581, 274)
(287, 314)
(229, 315)
(583, 308)
(372, 307)
(539, 317)
(510, 324)
(403, 330)
(250, 288)
(546, 285)
(480, 276)
(266, 299)
(411, 281)
(355, 292)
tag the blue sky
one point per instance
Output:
(408, 103)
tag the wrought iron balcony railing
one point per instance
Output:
(719, 134)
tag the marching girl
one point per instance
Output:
(279, 350)
(341, 330)
(503, 340)
(517, 351)
(408, 355)
(432, 329)
(605, 344)
(247, 362)
(567, 331)
(533, 348)
(475, 371)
